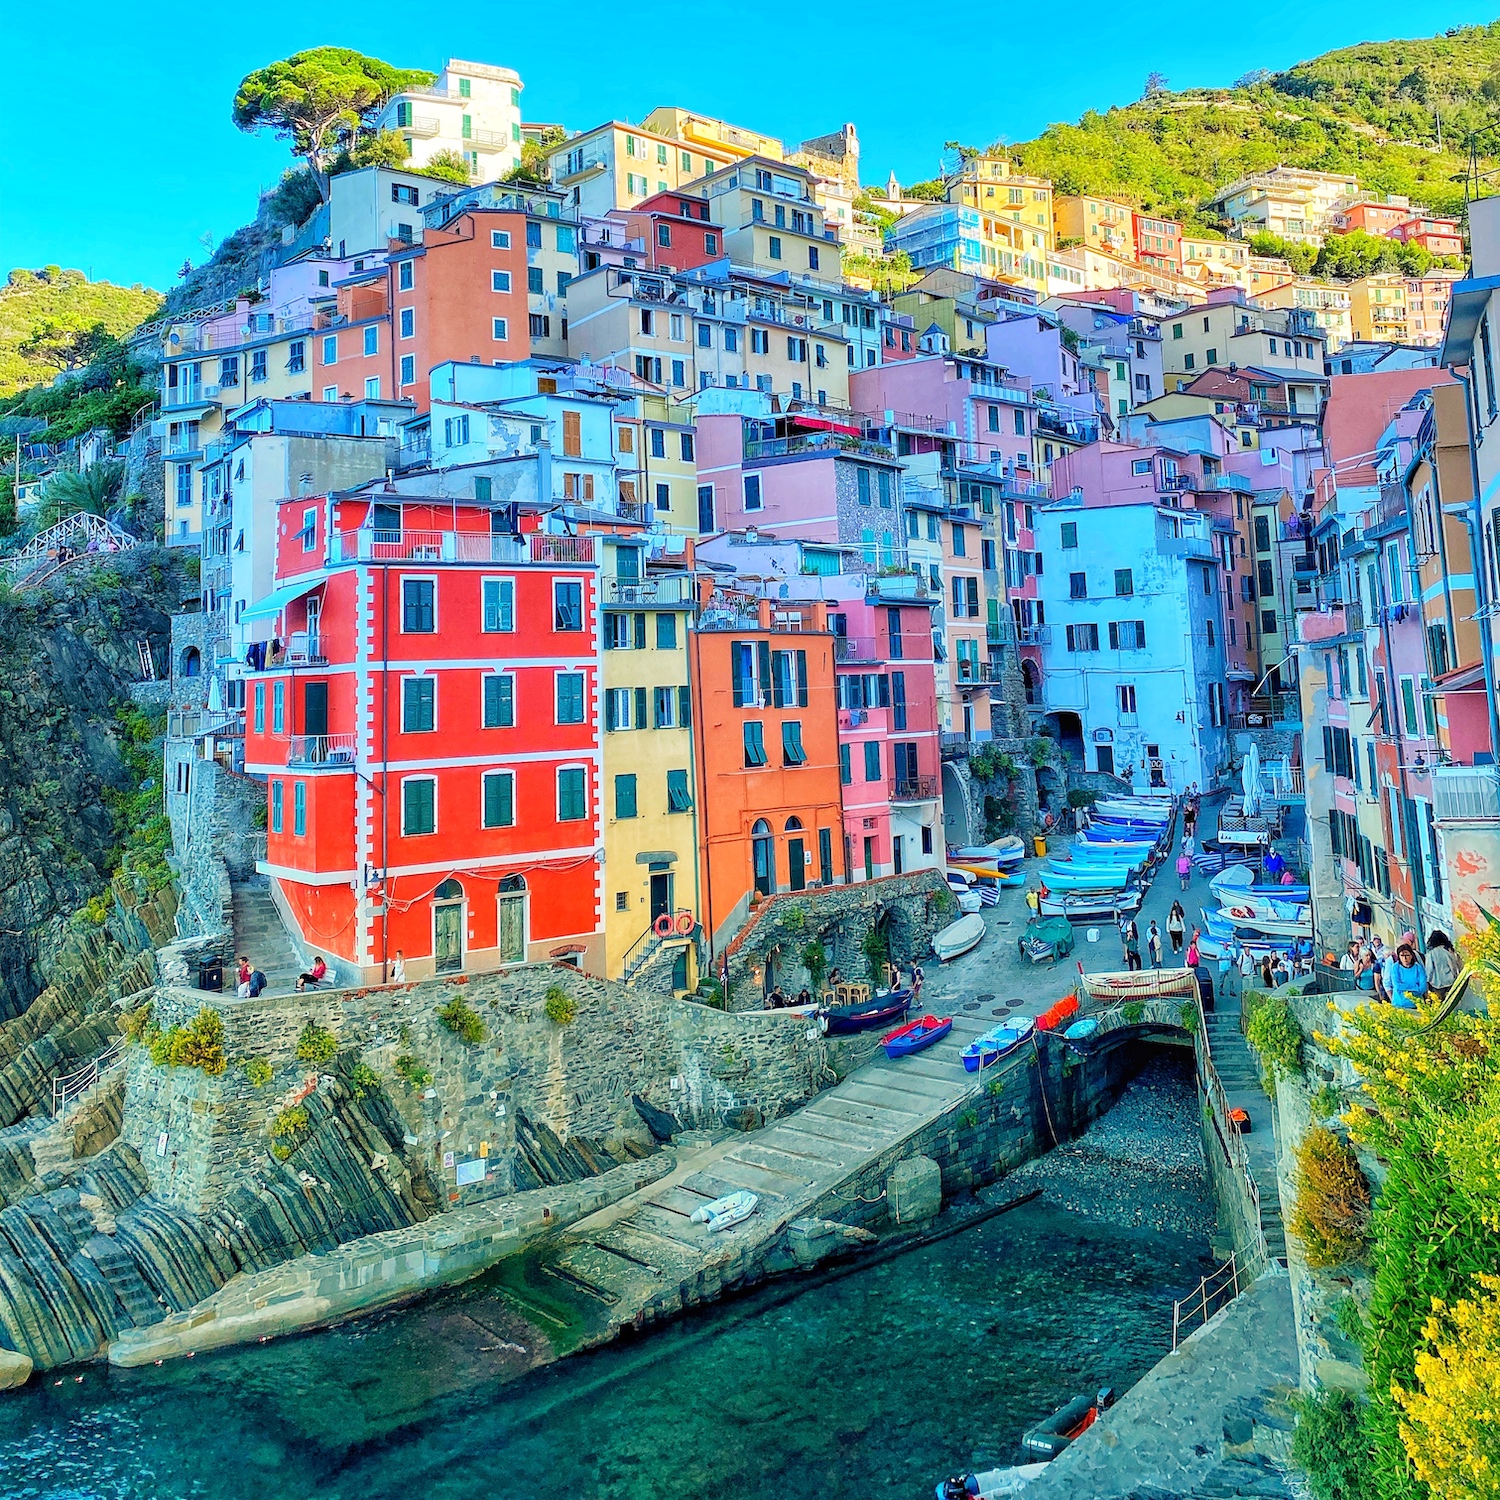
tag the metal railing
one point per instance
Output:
(643, 590)
(321, 750)
(190, 723)
(1466, 793)
(72, 1086)
(1035, 635)
(457, 546)
(1215, 1291)
(914, 789)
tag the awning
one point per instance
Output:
(1467, 302)
(278, 599)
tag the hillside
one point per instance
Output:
(42, 312)
(1372, 110)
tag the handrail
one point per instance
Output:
(74, 1085)
(1210, 1289)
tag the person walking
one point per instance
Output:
(1442, 964)
(1193, 956)
(242, 978)
(1154, 945)
(1176, 926)
(1190, 818)
(1247, 970)
(1184, 868)
(1132, 946)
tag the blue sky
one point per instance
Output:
(121, 156)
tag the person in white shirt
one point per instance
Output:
(398, 968)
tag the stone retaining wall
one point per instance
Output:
(213, 833)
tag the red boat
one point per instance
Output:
(916, 1035)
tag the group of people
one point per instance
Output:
(1406, 976)
(1176, 935)
(778, 999)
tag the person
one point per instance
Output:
(1226, 966)
(1193, 956)
(1349, 963)
(1247, 967)
(1176, 926)
(1132, 945)
(1381, 962)
(1265, 971)
(1154, 944)
(242, 979)
(1442, 964)
(1034, 901)
(1184, 868)
(313, 975)
(1280, 973)
(1364, 971)
(804, 996)
(1408, 978)
(398, 968)
(834, 977)
(776, 1000)
(257, 983)
(1275, 865)
(1190, 819)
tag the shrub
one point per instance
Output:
(1331, 1446)
(794, 918)
(199, 1044)
(412, 1072)
(1081, 797)
(1132, 1011)
(257, 1071)
(877, 953)
(135, 1023)
(459, 1017)
(1325, 1102)
(285, 1129)
(316, 1044)
(1274, 1033)
(1347, 1319)
(1332, 1214)
(1190, 1017)
(363, 1078)
(1039, 751)
(559, 1006)
(815, 961)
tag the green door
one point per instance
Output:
(512, 938)
(448, 937)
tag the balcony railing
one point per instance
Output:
(971, 673)
(1392, 503)
(1001, 632)
(458, 547)
(303, 649)
(190, 723)
(336, 750)
(783, 617)
(632, 591)
(1200, 547)
(896, 586)
(914, 789)
(1466, 793)
(1035, 635)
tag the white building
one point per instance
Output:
(1133, 665)
(471, 108)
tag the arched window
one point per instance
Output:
(192, 663)
(449, 890)
(510, 919)
(763, 851)
(794, 825)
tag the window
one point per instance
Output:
(570, 697)
(862, 483)
(499, 281)
(846, 775)
(663, 708)
(278, 708)
(1125, 692)
(567, 606)
(372, 388)
(792, 753)
(419, 805)
(775, 247)
(625, 800)
(1124, 583)
(372, 338)
(1069, 534)
(1140, 466)
(679, 798)
(752, 492)
(755, 744)
(418, 615)
(418, 705)
(276, 806)
(685, 444)
(260, 708)
(406, 275)
(571, 803)
(408, 369)
(331, 349)
(663, 497)
(499, 799)
(296, 357)
(499, 700)
(666, 632)
(1188, 361)
(959, 549)
(872, 760)
(1078, 585)
(1127, 635)
(812, 257)
(1083, 637)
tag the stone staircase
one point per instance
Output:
(1239, 1072)
(260, 933)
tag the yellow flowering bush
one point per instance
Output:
(1450, 1423)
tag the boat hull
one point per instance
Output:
(916, 1036)
(959, 937)
(840, 1020)
(1088, 905)
(1140, 984)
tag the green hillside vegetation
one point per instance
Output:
(54, 320)
(1372, 110)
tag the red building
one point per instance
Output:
(430, 737)
(674, 232)
(1436, 236)
(1158, 242)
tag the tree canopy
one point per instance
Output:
(319, 99)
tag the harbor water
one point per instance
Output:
(876, 1383)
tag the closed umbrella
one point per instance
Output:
(1250, 780)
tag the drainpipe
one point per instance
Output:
(1472, 515)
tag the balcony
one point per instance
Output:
(303, 649)
(192, 723)
(458, 547)
(1001, 632)
(627, 593)
(971, 673)
(744, 615)
(914, 789)
(1035, 635)
(331, 751)
(1024, 489)
(896, 586)
(1466, 794)
(853, 648)
(1235, 482)
(489, 140)
(1200, 547)
(1392, 504)
(422, 125)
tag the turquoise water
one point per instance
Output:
(874, 1385)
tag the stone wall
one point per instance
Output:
(195, 632)
(769, 947)
(561, 1086)
(214, 834)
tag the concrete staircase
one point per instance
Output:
(1239, 1072)
(260, 933)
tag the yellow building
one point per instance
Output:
(718, 136)
(1216, 262)
(772, 219)
(616, 166)
(1096, 222)
(1377, 309)
(656, 461)
(1022, 204)
(1329, 304)
(650, 814)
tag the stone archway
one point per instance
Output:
(958, 808)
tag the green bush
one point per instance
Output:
(815, 961)
(412, 1072)
(877, 952)
(1325, 1102)
(1081, 797)
(257, 1071)
(362, 1079)
(286, 1129)
(316, 1044)
(1190, 1017)
(559, 1006)
(1274, 1033)
(199, 1044)
(459, 1017)
(1331, 1446)
(1332, 1212)
(1133, 1011)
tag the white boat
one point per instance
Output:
(992, 1484)
(726, 1212)
(1136, 810)
(1140, 984)
(1243, 919)
(1079, 905)
(958, 937)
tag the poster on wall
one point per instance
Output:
(470, 1171)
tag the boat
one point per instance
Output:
(1116, 843)
(1081, 1031)
(1239, 881)
(1139, 984)
(1006, 851)
(726, 1212)
(1090, 878)
(882, 1007)
(992, 1484)
(1252, 916)
(958, 937)
(989, 872)
(989, 1047)
(916, 1035)
(1046, 939)
(1047, 1439)
(964, 893)
(1129, 807)
(1080, 906)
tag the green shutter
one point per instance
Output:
(499, 800)
(625, 803)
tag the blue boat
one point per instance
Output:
(916, 1035)
(988, 1049)
(1081, 1030)
(1087, 877)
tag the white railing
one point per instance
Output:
(1465, 793)
(458, 546)
(321, 750)
(72, 1086)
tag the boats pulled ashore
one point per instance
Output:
(999, 1041)
(958, 937)
(916, 1035)
(883, 1007)
(1140, 984)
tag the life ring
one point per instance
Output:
(685, 923)
(662, 926)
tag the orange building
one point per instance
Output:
(767, 751)
(1436, 236)
(460, 295)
